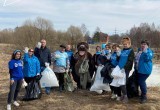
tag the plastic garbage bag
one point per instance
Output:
(68, 84)
(116, 73)
(32, 91)
(49, 78)
(119, 81)
(98, 85)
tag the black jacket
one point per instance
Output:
(43, 54)
(129, 64)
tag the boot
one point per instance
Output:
(143, 99)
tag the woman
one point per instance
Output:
(83, 67)
(144, 69)
(31, 66)
(95, 57)
(125, 63)
(16, 78)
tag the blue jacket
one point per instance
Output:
(114, 59)
(145, 62)
(63, 60)
(70, 54)
(15, 69)
(124, 57)
(31, 66)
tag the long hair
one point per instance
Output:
(14, 54)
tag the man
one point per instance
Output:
(61, 65)
(44, 55)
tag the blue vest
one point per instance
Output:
(114, 59)
(62, 61)
(124, 57)
(145, 62)
(98, 53)
(16, 69)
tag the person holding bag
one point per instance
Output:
(31, 70)
(61, 65)
(125, 64)
(16, 78)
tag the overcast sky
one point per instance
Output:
(106, 14)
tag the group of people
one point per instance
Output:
(82, 66)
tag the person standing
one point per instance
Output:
(70, 55)
(144, 68)
(125, 63)
(95, 57)
(61, 65)
(31, 65)
(31, 70)
(16, 78)
(44, 55)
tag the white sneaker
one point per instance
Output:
(114, 96)
(8, 106)
(16, 103)
(118, 98)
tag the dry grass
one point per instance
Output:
(79, 100)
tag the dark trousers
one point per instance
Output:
(123, 88)
(116, 90)
(60, 77)
(28, 79)
(14, 90)
(142, 83)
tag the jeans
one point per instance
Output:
(14, 90)
(142, 83)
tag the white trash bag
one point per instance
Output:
(116, 73)
(49, 78)
(119, 81)
(98, 85)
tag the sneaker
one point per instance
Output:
(114, 96)
(16, 103)
(8, 106)
(118, 99)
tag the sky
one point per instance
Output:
(108, 15)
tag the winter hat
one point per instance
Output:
(16, 51)
(83, 44)
(63, 46)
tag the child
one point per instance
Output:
(114, 62)
(16, 78)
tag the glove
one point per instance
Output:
(46, 64)
(108, 56)
(57, 56)
(26, 50)
(38, 45)
(118, 53)
(67, 70)
(24, 84)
